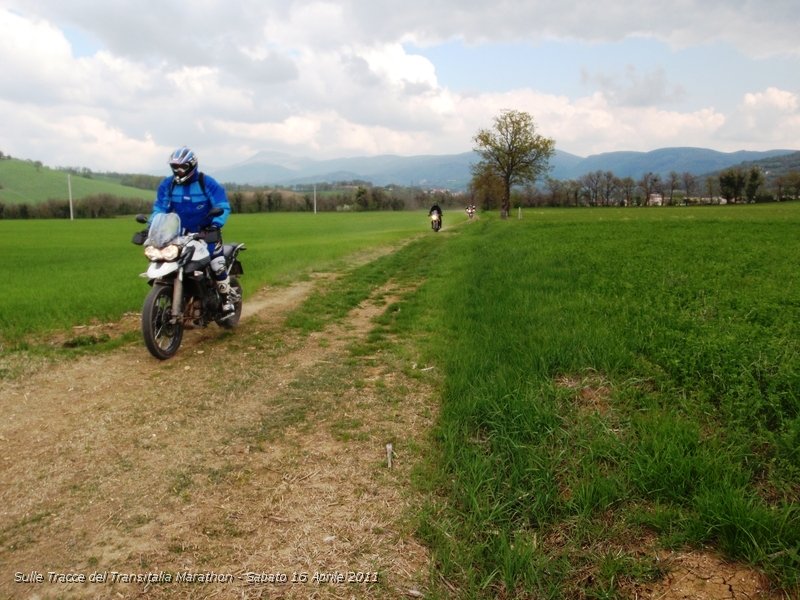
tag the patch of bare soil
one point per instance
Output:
(591, 392)
(705, 576)
(254, 464)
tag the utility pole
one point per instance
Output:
(69, 190)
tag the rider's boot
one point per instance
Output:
(224, 289)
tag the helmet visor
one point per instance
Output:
(181, 170)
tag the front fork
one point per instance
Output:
(177, 298)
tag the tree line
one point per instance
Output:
(595, 189)
(328, 197)
(98, 206)
(603, 188)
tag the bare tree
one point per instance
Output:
(689, 185)
(556, 189)
(673, 181)
(711, 188)
(573, 192)
(628, 187)
(610, 185)
(591, 184)
(649, 184)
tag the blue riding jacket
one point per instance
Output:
(192, 202)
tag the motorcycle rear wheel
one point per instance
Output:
(161, 337)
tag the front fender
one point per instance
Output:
(156, 270)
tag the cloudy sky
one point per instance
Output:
(118, 84)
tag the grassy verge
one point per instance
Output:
(610, 377)
(612, 383)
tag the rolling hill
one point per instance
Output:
(772, 167)
(25, 182)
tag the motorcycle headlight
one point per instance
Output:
(169, 253)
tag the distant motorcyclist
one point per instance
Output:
(435, 209)
(192, 194)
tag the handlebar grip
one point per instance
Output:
(211, 236)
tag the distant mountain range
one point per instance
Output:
(452, 171)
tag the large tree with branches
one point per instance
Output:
(513, 151)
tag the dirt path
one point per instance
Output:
(249, 457)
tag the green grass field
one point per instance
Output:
(67, 273)
(613, 383)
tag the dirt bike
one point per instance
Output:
(184, 290)
(436, 221)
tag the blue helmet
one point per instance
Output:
(183, 163)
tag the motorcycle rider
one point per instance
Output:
(192, 194)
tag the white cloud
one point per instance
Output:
(633, 88)
(332, 78)
(299, 130)
(78, 140)
(771, 99)
(584, 126)
(757, 27)
(35, 54)
(398, 68)
(771, 117)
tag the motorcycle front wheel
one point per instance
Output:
(161, 337)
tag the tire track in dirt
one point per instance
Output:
(254, 452)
